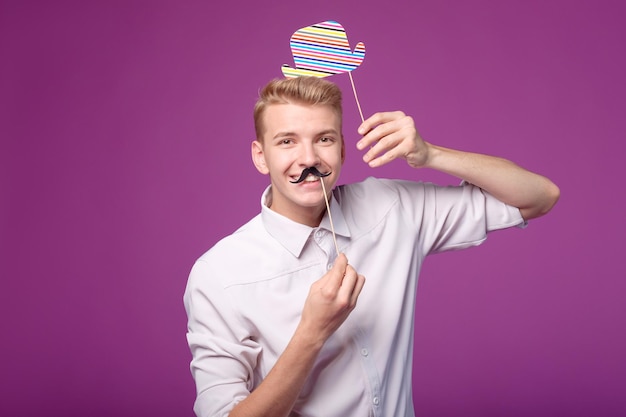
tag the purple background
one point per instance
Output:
(124, 154)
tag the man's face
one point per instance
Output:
(296, 137)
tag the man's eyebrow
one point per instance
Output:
(294, 134)
(284, 134)
(328, 132)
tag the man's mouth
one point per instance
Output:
(310, 178)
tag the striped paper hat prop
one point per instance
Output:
(322, 50)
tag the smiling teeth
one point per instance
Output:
(311, 178)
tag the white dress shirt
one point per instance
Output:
(244, 296)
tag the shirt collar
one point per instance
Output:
(293, 235)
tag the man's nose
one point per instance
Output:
(309, 157)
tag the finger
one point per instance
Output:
(382, 144)
(377, 119)
(349, 279)
(335, 276)
(369, 123)
(387, 149)
(357, 289)
(348, 285)
(389, 123)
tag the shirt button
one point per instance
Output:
(375, 400)
(364, 352)
(329, 266)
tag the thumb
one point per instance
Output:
(341, 262)
(337, 272)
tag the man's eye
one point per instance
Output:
(285, 141)
(325, 139)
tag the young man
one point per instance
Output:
(274, 327)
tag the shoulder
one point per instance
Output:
(381, 193)
(364, 190)
(249, 255)
(379, 187)
(368, 203)
(231, 244)
(232, 253)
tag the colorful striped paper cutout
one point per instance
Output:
(321, 50)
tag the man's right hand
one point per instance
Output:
(331, 299)
(329, 303)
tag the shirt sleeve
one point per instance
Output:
(223, 354)
(455, 217)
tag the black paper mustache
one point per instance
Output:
(307, 171)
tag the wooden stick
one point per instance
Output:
(355, 96)
(330, 217)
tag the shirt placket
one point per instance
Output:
(369, 367)
(325, 242)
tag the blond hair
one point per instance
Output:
(299, 90)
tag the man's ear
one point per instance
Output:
(258, 157)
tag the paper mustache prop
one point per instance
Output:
(322, 50)
(307, 171)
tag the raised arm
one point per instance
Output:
(392, 135)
